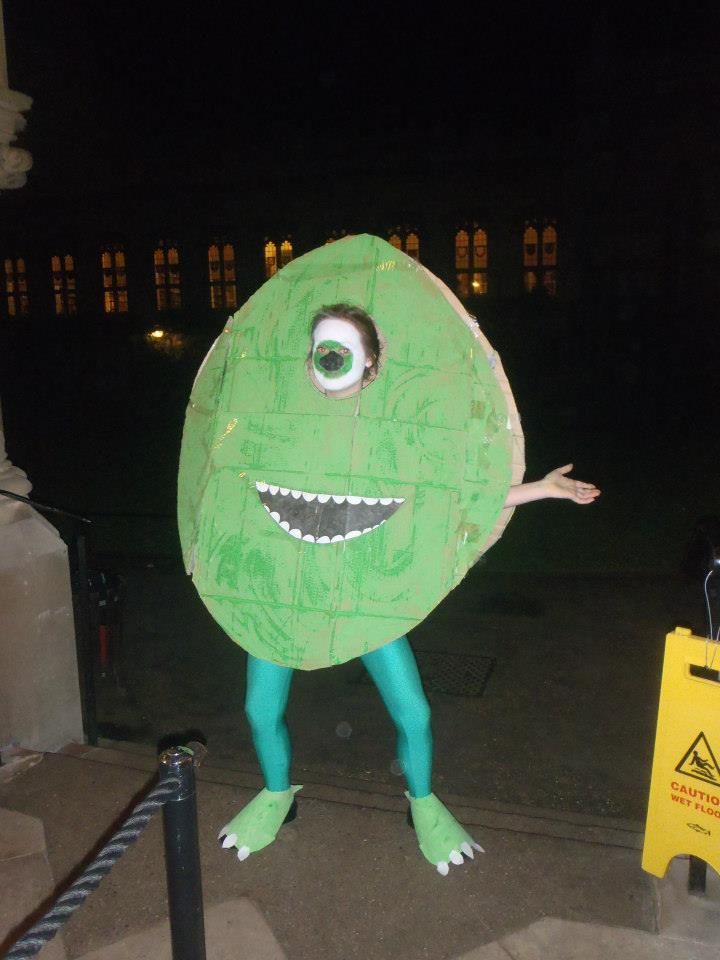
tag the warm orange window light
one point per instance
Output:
(395, 241)
(63, 283)
(480, 284)
(549, 246)
(114, 278)
(221, 272)
(16, 287)
(270, 259)
(462, 251)
(480, 250)
(530, 280)
(286, 252)
(530, 247)
(166, 262)
(412, 246)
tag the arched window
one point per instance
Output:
(471, 261)
(405, 239)
(114, 279)
(540, 257)
(63, 282)
(530, 250)
(222, 276)
(412, 246)
(16, 287)
(462, 250)
(549, 247)
(166, 263)
(271, 264)
(286, 253)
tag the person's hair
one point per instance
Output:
(363, 323)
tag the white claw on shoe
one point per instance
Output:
(243, 853)
(456, 857)
(476, 846)
(223, 832)
(443, 869)
(229, 841)
(467, 850)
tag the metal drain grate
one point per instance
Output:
(456, 674)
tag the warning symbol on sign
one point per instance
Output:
(699, 761)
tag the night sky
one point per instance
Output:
(129, 88)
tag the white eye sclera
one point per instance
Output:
(336, 336)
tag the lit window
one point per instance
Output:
(63, 282)
(114, 276)
(412, 246)
(16, 287)
(406, 240)
(462, 250)
(549, 247)
(550, 282)
(221, 272)
(540, 252)
(166, 263)
(286, 252)
(530, 250)
(271, 264)
(471, 269)
(336, 235)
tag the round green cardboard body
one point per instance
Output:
(437, 428)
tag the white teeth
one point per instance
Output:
(295, 533)
(285, 525)
(309, 497)
(323, 497)
(284, 491)
(398, 500)
(353, 534)
(323, 540)
(260, 486)
(296, 494)
(370, 501)
(337, 538)
(276, 516)
(367, 529)
(309, 538)
(338, 499)
(386, 500)
(354, 500)
(266, 507)
(273, 490)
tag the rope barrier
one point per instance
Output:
(76, 894)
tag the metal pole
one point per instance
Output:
(182, 859)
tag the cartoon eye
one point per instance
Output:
(343, 351)
(322, 349)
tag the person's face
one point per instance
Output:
(338, 358)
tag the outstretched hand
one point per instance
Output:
(559, 485)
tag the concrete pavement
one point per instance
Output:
(346, 878)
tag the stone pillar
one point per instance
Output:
(39, 688)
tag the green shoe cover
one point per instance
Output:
(258, 822)
(441, 838)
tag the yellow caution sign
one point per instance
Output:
(684, 807)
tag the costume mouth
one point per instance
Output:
(325, 517)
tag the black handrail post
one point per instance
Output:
(182, 858)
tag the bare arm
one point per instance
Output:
(556, 485)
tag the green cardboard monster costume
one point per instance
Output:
(348, 453)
